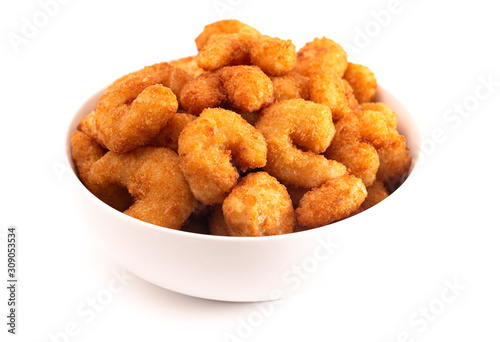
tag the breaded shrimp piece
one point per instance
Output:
(164, 73)
(189, 65)
(273, 55)
(169, 76)
(321, 55)
(207, 147)
(223, 26)
(205, 91)
(390, 115)
(169, 135)
(374, 128)
(258, 206)
(132, 112)
(87, 125)
(333, 201)
(290, 86)
(395, 160)
(243, 87)
(391, 147)
(85, 152)
(329, 89)
(247, 87)
(225, 50)
(393, 154)
(291, 123)
(362, 81)
(348, 148)
(154, 179)
(376, 194)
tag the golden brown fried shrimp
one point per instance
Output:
(395, 160)
(374, 128)
(88, 126)
(393, 155)
(290, 86)
(362, 81)
(390, 115)
(258, 206)
(85, 152)
(247, 87)
(132, 112)
(376, 194)
(154, 179)
(209, 144)
(164, 73)
(306, 124)
(391, 147)
(349, 149)
(351, 99)
(329, 89)
(321, 55)
(217, 224)
(205, 91)
(189, 65)
(225, 50)
(169, 76)
(223, 26)
(333, 201)
(169, 135)
(273, 55)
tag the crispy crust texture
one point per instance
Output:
(292, 123)
(333, 201)
(363, 82)
(169, 135)
(247, 87)
(243, 87)
(329, 89)
(258, 206)
(223, 27)
(207, 147)
(133, 112)
(85, 152)
(154, 179)
(348, 148)
(290, 86)
(321, 55)
(376, 194)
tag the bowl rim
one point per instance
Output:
(76, 118)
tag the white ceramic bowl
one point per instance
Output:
(237, 269)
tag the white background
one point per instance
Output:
(432, 55)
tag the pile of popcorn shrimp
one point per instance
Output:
(247, 138)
